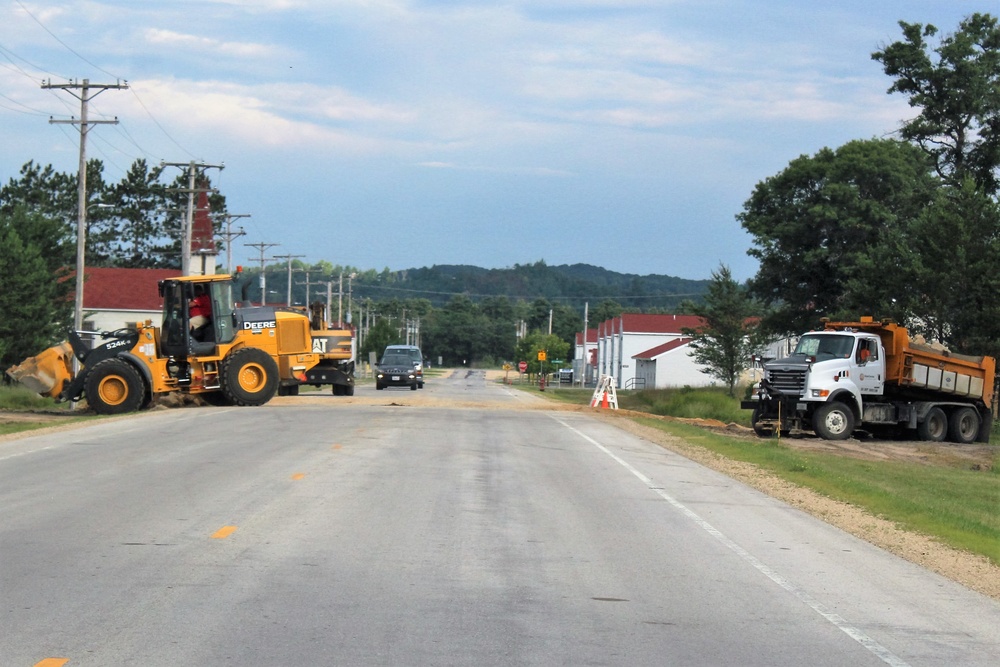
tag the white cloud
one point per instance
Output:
(171, 39)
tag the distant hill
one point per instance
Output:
(573, 284)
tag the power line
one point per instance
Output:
(67, 46)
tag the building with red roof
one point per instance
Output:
(115, 298)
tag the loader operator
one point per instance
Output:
(199, 312)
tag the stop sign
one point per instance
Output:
(522, 366)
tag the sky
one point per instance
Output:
(396, 134)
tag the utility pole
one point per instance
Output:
(263, 286)
(88, 91)
(288, 302)
(340, 300)
(229, 235)
(192, 168)
(585, 357)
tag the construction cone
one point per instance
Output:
(604, 401)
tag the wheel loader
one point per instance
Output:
(243, 356)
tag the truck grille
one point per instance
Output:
(789, 382)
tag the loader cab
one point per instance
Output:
(178, 294)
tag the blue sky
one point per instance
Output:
(401, 133)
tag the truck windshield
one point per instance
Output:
(826, 346)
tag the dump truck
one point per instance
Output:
(870, 375)
(243, 356)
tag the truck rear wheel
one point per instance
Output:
(963, 427)
(114, 387)
(833, 421)
(934, 427)
(249, 376)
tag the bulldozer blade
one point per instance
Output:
(46, 373)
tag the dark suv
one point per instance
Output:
(415, 356)
(396, 370)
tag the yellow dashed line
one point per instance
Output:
(224, 532)
(52, 662)
(299, 475)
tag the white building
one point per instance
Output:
(649, 351)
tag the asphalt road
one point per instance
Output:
(457, 525)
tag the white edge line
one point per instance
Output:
(881, 652)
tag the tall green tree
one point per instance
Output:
(953, 292)
(381, 333)
(956, 85)
(529, 347)
(139, 203)
(457, 332)
(44, 191)
(832, 218)
(36, 299)
(731, 332)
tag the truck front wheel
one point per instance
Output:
(963, 427)
(833, 421)
(934, 427)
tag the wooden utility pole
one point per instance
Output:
(288, 301)
(229, 235)
(88, 91)
(263, 285)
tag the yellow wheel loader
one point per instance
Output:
(242, 356)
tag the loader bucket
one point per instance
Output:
(46, 373)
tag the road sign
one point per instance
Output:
(522, 366)
(541, 355)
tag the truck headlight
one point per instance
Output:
(820, 393)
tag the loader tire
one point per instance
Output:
(249, 377)
(114, 387)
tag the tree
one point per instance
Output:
(529, 347)
(458, 332)
(36, 297)
(380, 334)
(832, 221)
(730, 333)
(44, 191)
(139, 202)
(953, 292)
(957, 90)
(607, 309)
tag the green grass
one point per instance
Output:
(687, 402)
(19, 399)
